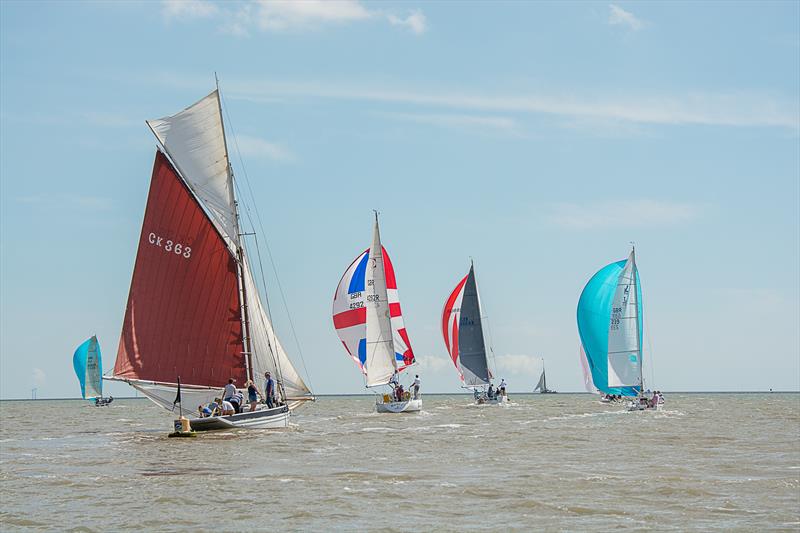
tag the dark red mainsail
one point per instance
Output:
(183, 316)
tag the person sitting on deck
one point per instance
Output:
(230, 390)
(205, 411)
(269, 390)
(490, 392)
(252, 395)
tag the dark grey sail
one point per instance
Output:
(542, 385)
(471, 347)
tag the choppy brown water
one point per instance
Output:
(561, 462)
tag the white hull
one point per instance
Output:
(277, 417)
(633, 406)
(500, 400)
(407, 406)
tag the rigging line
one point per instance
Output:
(269, 251)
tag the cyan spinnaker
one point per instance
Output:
(88, 366)
(610, 327)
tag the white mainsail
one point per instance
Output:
(195, 141)
(381, 362)
(93, 377)
(624, 350)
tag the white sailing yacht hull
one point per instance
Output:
(500, 400)
(407, 406)
(277, 417)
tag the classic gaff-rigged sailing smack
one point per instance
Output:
(462, 330)
(88, 364)
(541, 386)
(369, 322)
(610, 328)
(194, 312)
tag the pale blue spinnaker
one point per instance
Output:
(88, 366)
(610, 327)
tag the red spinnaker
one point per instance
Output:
(183, 313)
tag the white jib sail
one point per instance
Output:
(92, 376)
(194, 140)
(268, 353)
(624, 352)
(381, 363)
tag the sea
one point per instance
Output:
(561, 462)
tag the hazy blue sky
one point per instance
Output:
(537, 138)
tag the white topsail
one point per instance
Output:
(194, 140)
(624, 350)
(381, 363)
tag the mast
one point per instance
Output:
(244, 311)
(544, 377)
(634, 273)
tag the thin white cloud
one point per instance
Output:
(434, 364)
(39, 377)
(619, 17)
(455, 120)
(631, 213)
(415, 21)
(241, 18)
(69, 201)
(182, 10)
(709, 109)
(257, 147)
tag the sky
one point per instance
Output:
(539, 139)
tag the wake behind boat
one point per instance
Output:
(462, 330)
(194, 313)
(369, 322)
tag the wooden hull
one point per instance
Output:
(277, 417)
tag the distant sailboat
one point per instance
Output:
(194, 313)
(542, 385)
(369, 322)
(88, 364)
(462, 330)
(610, 327)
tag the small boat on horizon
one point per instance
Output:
(462, 330)
(610, 327)
(194, 317)
(88, 364)
(369, 322)
(541, 386)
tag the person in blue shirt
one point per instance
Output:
(269, 390)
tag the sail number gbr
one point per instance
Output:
(169, 246)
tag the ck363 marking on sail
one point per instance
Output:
(168, 245)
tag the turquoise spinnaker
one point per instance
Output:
(595, 318)
(88, 366)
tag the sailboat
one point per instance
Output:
(88, 364)
(542, 385)
(462, 330)
(194, 315)
(369, 322)
(610, 327)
